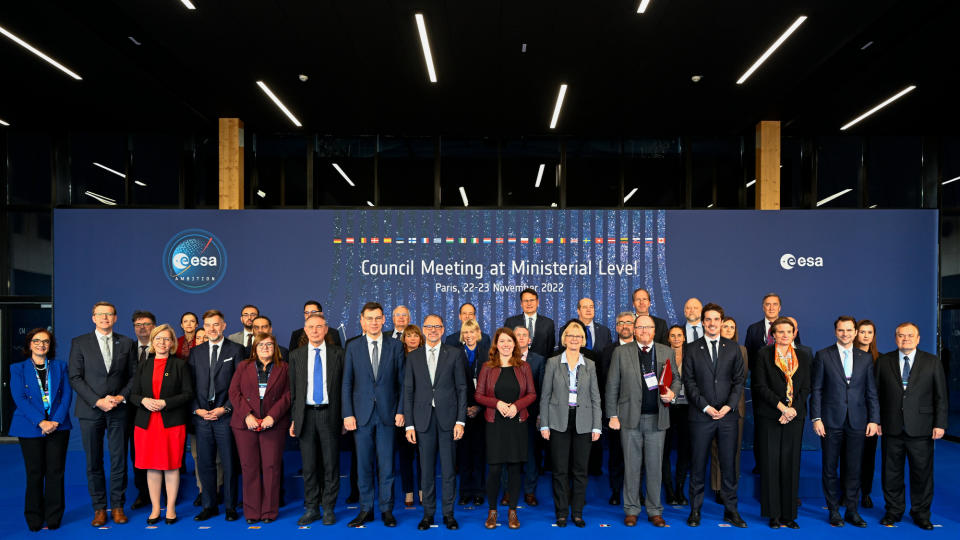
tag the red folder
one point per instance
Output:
(666, 379)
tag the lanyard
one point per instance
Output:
(45, 394)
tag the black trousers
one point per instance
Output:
(918, 451)
(471, 458)
(113, 424)
(406, 459)
(435, 445)
(779, 452)
(841, 445)
(214, 438)
(701, 435)
(570, 454)
(320, 451)
(868, 464)
(615, 466)
(44, 459)
(514, 478)
(677, 438)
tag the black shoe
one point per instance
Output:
(153, 521)
(614, 499)
(365, 516)
(35, 527)
(268, 520)
(140, 502)
(53, 526)
(251, 521)
(717, 497)
(889, 520)
(835, 519)
(924, 524)
(561, 522)
(231, 514)
(199, 500)
(866, 501)
(694, 519)
(205, 514)
(425, 524)
(388, 519)
(579, 522)
(464, 500)
(309, 516)
(352, 498)
(478, 500)
(170, 521)
(329, 518)
(451, 523)
(774, 524)
(854, 519)
(789, 523)
(682, 501)
(734, 519)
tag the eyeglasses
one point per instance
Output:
(625, 323)
(40, 341)
(162, 339)
(645, 327)
(571, 336)
(142, 324)
(104, 314)
(265, 345)
(312, 312)
(432, 326)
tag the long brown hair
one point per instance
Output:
(872, 349)
(256, 341)
(494, 356)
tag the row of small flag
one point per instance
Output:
(496, 240)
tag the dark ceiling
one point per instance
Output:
(628, 74)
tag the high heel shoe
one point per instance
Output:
(170, 520)
(153, 521)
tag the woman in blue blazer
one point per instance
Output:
(40, 389)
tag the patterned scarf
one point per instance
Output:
(788, 366)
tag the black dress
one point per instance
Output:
(506, 437)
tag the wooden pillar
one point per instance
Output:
(768, 165)
(231, 164)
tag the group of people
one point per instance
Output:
(491, 411)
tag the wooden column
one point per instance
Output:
(231, 164)
(768, 165)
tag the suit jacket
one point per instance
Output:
(229, 356)
(88, 374)
(488, 380)
(603, 371)
(922, 406)
(601, 337)
(756, 338)
(27, 396)
(538, 365)
(483, 345)
(362, 392)
(245, 395)
(769, 385)
(833, 400)
(237, 337)
(446, 395)
(709, 385)
(176, 388)
(555, 409)
(300, 362)
(625, 388)
(332, 338)
(544, 333)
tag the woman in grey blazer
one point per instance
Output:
(570, 420)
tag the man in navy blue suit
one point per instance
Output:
(844, 408)
(598, 335)
(372, 385)
(212, 364)
(543, 332)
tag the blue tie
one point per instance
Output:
(906, 370)
(317, 378)
(589, 338)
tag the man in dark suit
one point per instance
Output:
(693, 327)
(713, 380)
(244, 337)
(468, 312)
(535, 442)
(213, 364)
(543, 333)
(615, 464)
(913, 414)
(844, 409)
(435, 407)
(101, 368)
(641, 306)
(372, 384)
(316, 375)
(298, 337)
(263, 325)
(400, 318)
(598, 335)
(143, 323)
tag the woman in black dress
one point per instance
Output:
(505, 387)
(866, 341)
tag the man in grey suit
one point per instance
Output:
(244, 337)
(316, 373)
(101, 367)
(435, 405)
(638, 409)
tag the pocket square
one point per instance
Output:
(228, 359)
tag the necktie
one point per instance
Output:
(847, 368)
(906, 370)
(645, 349)
(212, 389)
(589, 338)
(249, 340)
(432, 364)
(107, 353)
(375, 359)
(143, 353)
(696, 333)
(317, 377)
(770, 339)
(713, 351)
(530, 328)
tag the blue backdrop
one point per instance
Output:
(873, 264)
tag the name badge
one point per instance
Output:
(263, 389)
(651, 380)
(572, 399)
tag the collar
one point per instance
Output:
(622, 342)
(563, 359)
(840, 349)
(911, 355)
(435, 348)
(99, 335)
(370, 340)
(322, 347)
(212, 343)
(639, 345)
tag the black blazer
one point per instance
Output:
(770, 386)
(706, 385)
(332, 338)
(88, 374)
(447, 395)
(834, 401)
(601, 338)
(660, 331)
(544, 333)
(229, 356)
(300, 361)
(922, 406)
(176, 389)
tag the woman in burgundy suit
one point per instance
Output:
(260, 394)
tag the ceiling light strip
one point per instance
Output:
(108, 169)
(752, 182)
(37, 52)
(101, 198)
(642, 8)
(632, 192)
(945, 182)
(344, 175)
(889, 100)
(763, 58)
(2, 123)
(276, 100)
(539, 175)
(188, 4)
(557, 107)
(834, 196)
(425, 44)
(463, 195)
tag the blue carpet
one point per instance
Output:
(602, 519)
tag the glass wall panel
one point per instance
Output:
(472, 165)
(28, 171)
(593, 172)
(654, 168)
(31, 253)
(345, 170)
(405, 171)
(521, 161)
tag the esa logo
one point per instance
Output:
(788, 261)
(194, 261)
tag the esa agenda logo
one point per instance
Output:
(194, 261)
(788, 261)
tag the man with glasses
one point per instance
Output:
(543, 332)
(143, 323)
(101, 367)
(638, 409)
(298, 337)
(245, 337)
(624, 330)
(401, 318)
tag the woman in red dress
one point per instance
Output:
(162, 391)
(260, 394)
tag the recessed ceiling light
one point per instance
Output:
(763, 58)
(539, 175)
(556, 108)
(101, 198)
(523, 47)
(369, 203)
(303, 77)
(188, 4)
(262, 194)
(463, 195)
(553, 205)
(425, 44)
(37, 52)
(108, 169)
(632, 192)
(642, 8)
(2, 123)
(344, 175)
(834, 196)
(889, 100)
(279, 103)
(945, 182)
